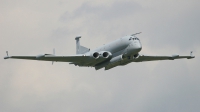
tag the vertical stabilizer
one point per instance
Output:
(77, 44)
(80, 49)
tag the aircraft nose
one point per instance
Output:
(139, 47)
(136, 46)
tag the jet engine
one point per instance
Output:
(105, 54)
(99, 57)
(95, 55)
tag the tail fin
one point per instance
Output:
(80, 49)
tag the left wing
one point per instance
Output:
(142, 58)
(49, 57)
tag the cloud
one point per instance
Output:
(35, 27)
(117, 10)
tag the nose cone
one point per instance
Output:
(135, 47)
(139, 47)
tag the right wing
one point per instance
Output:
(142, 58)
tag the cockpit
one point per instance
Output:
(133, 38)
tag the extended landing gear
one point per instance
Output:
(136, 55)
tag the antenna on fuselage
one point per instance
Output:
(136, 34)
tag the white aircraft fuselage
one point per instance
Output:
(124, 49)
(128, 45)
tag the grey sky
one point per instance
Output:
(36, 27)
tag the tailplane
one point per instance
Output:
(80, 49)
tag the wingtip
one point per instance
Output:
(191, 55)
(7, 57)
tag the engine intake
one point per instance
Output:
(105, 54)
(96, 55)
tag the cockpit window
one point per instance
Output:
(133, 38)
